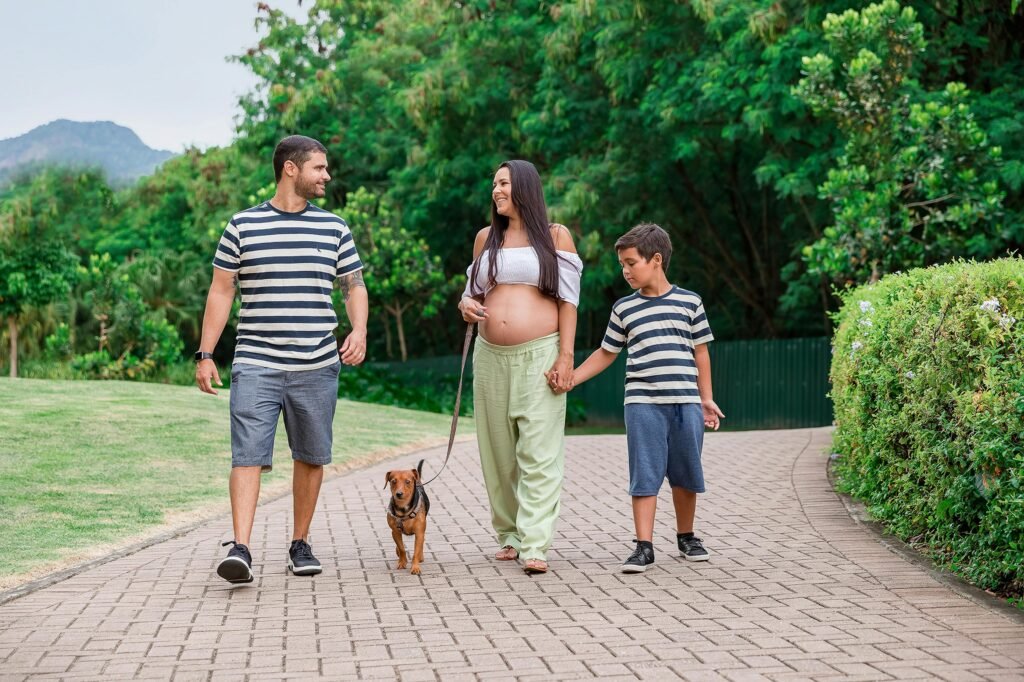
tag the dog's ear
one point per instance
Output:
(419, 470)
(387, 479)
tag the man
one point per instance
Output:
(284, 254)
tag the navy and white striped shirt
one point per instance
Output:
(286, 265)
(659, 334)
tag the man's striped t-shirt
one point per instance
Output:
(286, 265)
(659, 334)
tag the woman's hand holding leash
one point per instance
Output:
(472, 310)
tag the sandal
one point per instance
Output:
(535, 566)
(507, 553)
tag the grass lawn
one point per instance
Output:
(90, 466)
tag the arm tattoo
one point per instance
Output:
(347, 282)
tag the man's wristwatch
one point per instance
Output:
(202, 355)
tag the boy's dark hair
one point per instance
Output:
(297, 149)
(648, 239)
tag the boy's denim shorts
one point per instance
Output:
(259, 395)
(664, 440)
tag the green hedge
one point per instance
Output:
(928, 385)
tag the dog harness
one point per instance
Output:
(412, 510)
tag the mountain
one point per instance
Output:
(115, 149)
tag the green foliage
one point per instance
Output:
(928, 387)
(680, 113)
(402, 275)
(414, 388)
(36, 263)
(916, 183)
(132, 341)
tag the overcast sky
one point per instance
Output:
(156, 67)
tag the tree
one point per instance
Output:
(916, 183)
(132, 340)
(402, 275)
(36, 265)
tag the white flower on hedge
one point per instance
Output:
(910, 374)
(866, 322)
(992, 305)
(1006, 321)
(856, 346)
(865, 306)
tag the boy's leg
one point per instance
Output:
(496, 440)
(685, 502)
(647, 441)
(644, 508)
(540, 450)
(686, 476)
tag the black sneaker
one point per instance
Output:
(691, 548)
(301, 560)
(640, 559)
(236, 567)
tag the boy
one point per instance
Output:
(668, 389)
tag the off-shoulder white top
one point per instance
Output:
(520, 265)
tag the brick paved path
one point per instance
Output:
(795, 590)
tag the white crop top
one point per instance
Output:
(520, 265)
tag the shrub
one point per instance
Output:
(928, 385)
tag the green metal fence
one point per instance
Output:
(759, 384)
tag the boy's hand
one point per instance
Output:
(712, 414)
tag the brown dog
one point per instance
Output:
(407, 512)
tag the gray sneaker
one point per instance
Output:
(640, 559)
(691, 548)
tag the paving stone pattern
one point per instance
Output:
(795, 590)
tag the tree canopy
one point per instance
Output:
(789, 148)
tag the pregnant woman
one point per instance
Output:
(523, 289)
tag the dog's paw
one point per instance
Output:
(415, 569)
(401, 565)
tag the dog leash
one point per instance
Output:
(458, 398)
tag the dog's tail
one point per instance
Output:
(419, 469)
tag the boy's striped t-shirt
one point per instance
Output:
(659, 334)
(286, 265)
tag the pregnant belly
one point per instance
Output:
(517, 313)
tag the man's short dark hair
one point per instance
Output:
(648, 239)
(297, 149)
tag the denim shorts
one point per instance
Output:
(664, 440)
(258, 397)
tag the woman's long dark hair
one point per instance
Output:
(528, 198)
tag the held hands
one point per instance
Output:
(353, 350)
(472, 310)
(560, 376)
(206, 375)
(712, 415)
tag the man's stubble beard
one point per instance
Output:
(306, 190)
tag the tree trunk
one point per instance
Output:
(387, 336)
(12, 333)
(401, 332)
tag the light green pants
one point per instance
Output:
(520, 429)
